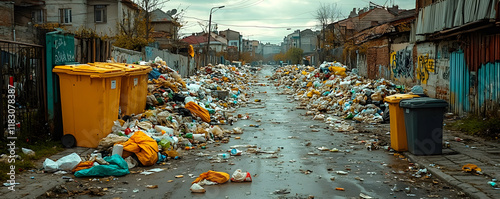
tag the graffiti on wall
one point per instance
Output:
(402, 63)
(446, 73)
(425, 67)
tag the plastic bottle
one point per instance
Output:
(168, 131)
(199, 137)
(117, 149)
(223, 155)
(164, 143)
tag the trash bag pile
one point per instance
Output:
(332, 89)
(180, 114)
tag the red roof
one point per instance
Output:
(199, 39)
(196, 39)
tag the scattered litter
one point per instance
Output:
(239, 176)
(471, 168)
(342, 172)
(323, 148)
(196, 188)
(28, 152)
(365, 196)
(151, 186)
(281, 191)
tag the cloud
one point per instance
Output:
(264, 20)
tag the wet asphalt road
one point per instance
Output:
(289, 129)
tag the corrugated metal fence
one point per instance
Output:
(459, 84)
(475, 75)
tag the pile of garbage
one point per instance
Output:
(181, 114)
(334, 90)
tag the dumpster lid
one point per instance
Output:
(85, 69)
(129, 68)
(398, 97)
(423, 102)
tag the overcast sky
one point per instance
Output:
(263, 20)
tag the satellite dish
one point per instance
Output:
(172, 12)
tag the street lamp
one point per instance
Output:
(209, 31)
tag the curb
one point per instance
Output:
(462, 186)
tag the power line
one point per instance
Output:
(250, 26)
(247, 6)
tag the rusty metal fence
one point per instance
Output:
(22, 66)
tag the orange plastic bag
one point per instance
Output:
(471, 168)
(144, 147)
(83, 165)
(214, 176)
(199, 111)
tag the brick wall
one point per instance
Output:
(377, 58)
(6, 9)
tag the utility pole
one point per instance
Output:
(209, 32)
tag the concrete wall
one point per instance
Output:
(182, 64)
(105, 28)
(126, 56)
(431, 71)
(78, 12)
(362, 67)
(402, 70)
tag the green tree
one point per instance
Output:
(279, 57)
(295, 55)
(132, 32)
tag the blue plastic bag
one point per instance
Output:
(117, 167)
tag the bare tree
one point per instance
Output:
(149, 6)
(327, 14)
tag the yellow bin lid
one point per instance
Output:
(85, 69)
(398, 97)
(129, 69)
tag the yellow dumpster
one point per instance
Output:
(90, 98)
(398, 129)
(134, 88)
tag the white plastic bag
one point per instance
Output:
(196, 188)
(237, 130)
(239, 176)
(110, 140)
(28, 152)
(131, 162)
(49, 165)
(216, 131)
(67, 163)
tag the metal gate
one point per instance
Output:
(22, 66)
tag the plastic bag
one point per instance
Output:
(198, 111)
(49, 165)
(110, 140)
(216, 131)
(214, 176)
(131, 162)
(319, 117)
(238, 130)
(117, 167)
(28, 152)
(239, 176)
(67, 163)
(196, 188)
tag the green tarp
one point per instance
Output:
(117, 167)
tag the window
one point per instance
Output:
(37, 16)
(65, 15)
(100, 13)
